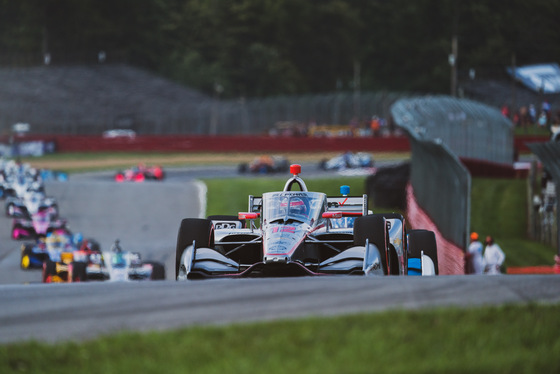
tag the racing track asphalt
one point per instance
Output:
(146, 217)
(56, 312)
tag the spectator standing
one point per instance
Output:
(505, 110)
(545, 106)
(475, 262)
(556, 266)
(375, 125)
(524, 118)
(532, 114)
(493, 257)
(543, 120)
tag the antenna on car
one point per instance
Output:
(295, 170)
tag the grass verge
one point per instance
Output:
(508, 339)
(76, 162)
(499, 208)
(238, 190)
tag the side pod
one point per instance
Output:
(356, 259)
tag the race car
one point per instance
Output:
(295, 232)
(140, 173)
(120, 265)
(67, 261)
(347, 160)
(35, 254)
(30, 203)
(18, 186)
(53, 175)
(37, 225)
(265, 165)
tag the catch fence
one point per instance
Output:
(441, 131)
(546, 215)
(469, 129)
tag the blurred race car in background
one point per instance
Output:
(19, 186)
(140, 173)
(53, 175)
(30, 203)
(16, 178)
(120, 265)
(35, 254)
(347, 160)
(38, 225)
(65, 258)
(265, 165)
(300, 233)
(69, 263)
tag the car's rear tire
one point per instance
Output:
(423, 240)
(393, 260)
(158, 271)
(26, 253)
(372, 228)
(199, 230)
(79, 272)
(49, 270)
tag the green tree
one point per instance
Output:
(275, 47)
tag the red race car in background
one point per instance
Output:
(140, 173)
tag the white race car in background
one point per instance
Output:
(120, 265)
(348, 160)
(30, 203)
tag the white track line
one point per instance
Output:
(202, 190)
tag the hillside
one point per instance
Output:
(93, 97)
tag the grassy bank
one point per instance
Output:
(238, 190)
(75, 162)
(509, 339)
(499, 208)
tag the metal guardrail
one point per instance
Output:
(442, 130)
(549, 214)
(442, 186)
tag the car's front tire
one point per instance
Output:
(373, 229)
(199, 230)
(423, 241)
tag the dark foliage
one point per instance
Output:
(260, 48)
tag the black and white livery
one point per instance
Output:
(295, 232)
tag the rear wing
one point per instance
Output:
(354, 204)
(255, 204)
